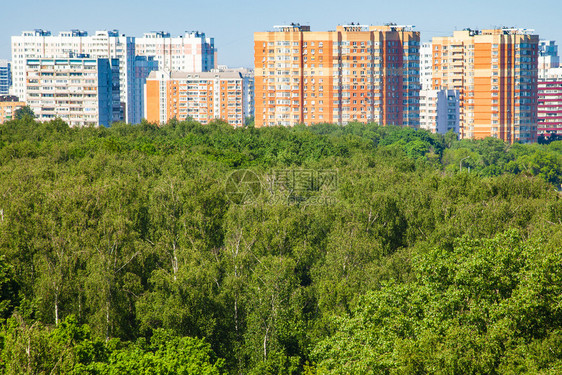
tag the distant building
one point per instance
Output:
(439, 111)
(550, 103)
(39, 44)
(5, 77)
(355, 73)
(248, 75)
(8, 106)
(426, 68)
(548, 56)
(80, 91)
(199, 96)
(191, 52)
(142, 66)
(495, 72)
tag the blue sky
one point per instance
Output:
(232, 23)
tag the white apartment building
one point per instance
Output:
(248, 93)
(39, 44)
(439, 110)
(548, 57)
(80, 91)
(426, 69)
(191, 52)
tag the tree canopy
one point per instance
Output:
(23, 112)
(366, 249)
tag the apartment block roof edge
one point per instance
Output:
(504, 29)
(352, 26)
(155, 74)
(109, 33)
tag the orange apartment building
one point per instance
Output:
(200, 96)
(355, 73)
(8, 107)
(495, 72)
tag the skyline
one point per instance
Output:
(233, 24)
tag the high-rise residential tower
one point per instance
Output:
(5, 77)
(355, 73)
(426, 66)
(38, 44)
(248, 75)
(201, 96)
(141, 68)
(548, 56)
(191, 52)
(495, 72)
(81, 91)
(550, 103)
(439, 111)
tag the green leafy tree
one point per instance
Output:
(466, 311)
(24, 112)
(166, 354)
(8, 289)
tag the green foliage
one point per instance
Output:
(483, 307)
(166, 354)
(23, 112)
(120, 251)
(70, 349)
(8, 289)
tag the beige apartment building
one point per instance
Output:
(8, 106)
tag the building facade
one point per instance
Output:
(248, 75)
(5, 77)
(426, 67)
(550, 103)
(8, 106)
(38, 44)
(142, 66)
(80, 91)
(548, 56)
(439, 110)
(191, 52)
(495, 72)
(355, 73)
(199, 96)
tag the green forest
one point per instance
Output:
(208, 249)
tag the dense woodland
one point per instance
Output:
(121, 252)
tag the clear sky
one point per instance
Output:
(232, 23)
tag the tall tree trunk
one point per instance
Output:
(265, 343)
(174, 260)
(107, 320)
(57, 308)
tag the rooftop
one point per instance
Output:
(199, 75)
